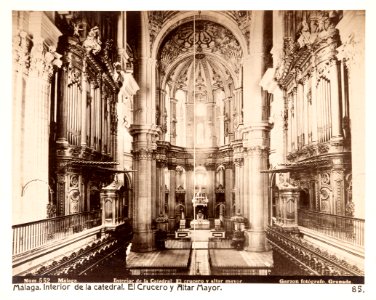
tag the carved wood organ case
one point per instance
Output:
(84, 106)
(316, 112)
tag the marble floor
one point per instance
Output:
(199, 256)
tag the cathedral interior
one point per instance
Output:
(188, 143)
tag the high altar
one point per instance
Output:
(200, 201)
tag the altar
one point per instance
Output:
(200, 202)
(200, 222)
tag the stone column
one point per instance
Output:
(36, 192)
(352, 32)
(143, 239)
(172, 198)
(21, 56)
(238, 118)
(144, 132)
(228, 192)
(256, 130)
(154, 172)
(173, 120)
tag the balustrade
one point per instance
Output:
(341, 227)
(32, 235)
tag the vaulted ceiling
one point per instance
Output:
(202, 51)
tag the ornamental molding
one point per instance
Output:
(258, 150)
(21, 53)
(210, 38)
(143, 154)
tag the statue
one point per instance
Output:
(92, 42)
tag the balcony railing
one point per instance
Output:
(347, 229)
(32, 235)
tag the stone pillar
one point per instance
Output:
(35, 192)
(258, 186)
(228, 192)
(21, 55)
(238, 116)
(144, 132)
(143, 239)
(172, 198)
(352, 32)
(173, 120)
(256, 131)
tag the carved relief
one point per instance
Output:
(350, 206)
(323, 148)
(316, 30)
(325, 179)
(73, 181)
(325, 195)
(156, 20)
(74, 198)
(74, 76)
(243, 19)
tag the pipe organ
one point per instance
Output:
(86, 119)
(316, 101)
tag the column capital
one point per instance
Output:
(21, 46)
(143, 154)
(43, 59)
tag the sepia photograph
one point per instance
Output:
(183, 150)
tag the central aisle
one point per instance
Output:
(200, 254)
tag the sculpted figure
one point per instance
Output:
(92, 42)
